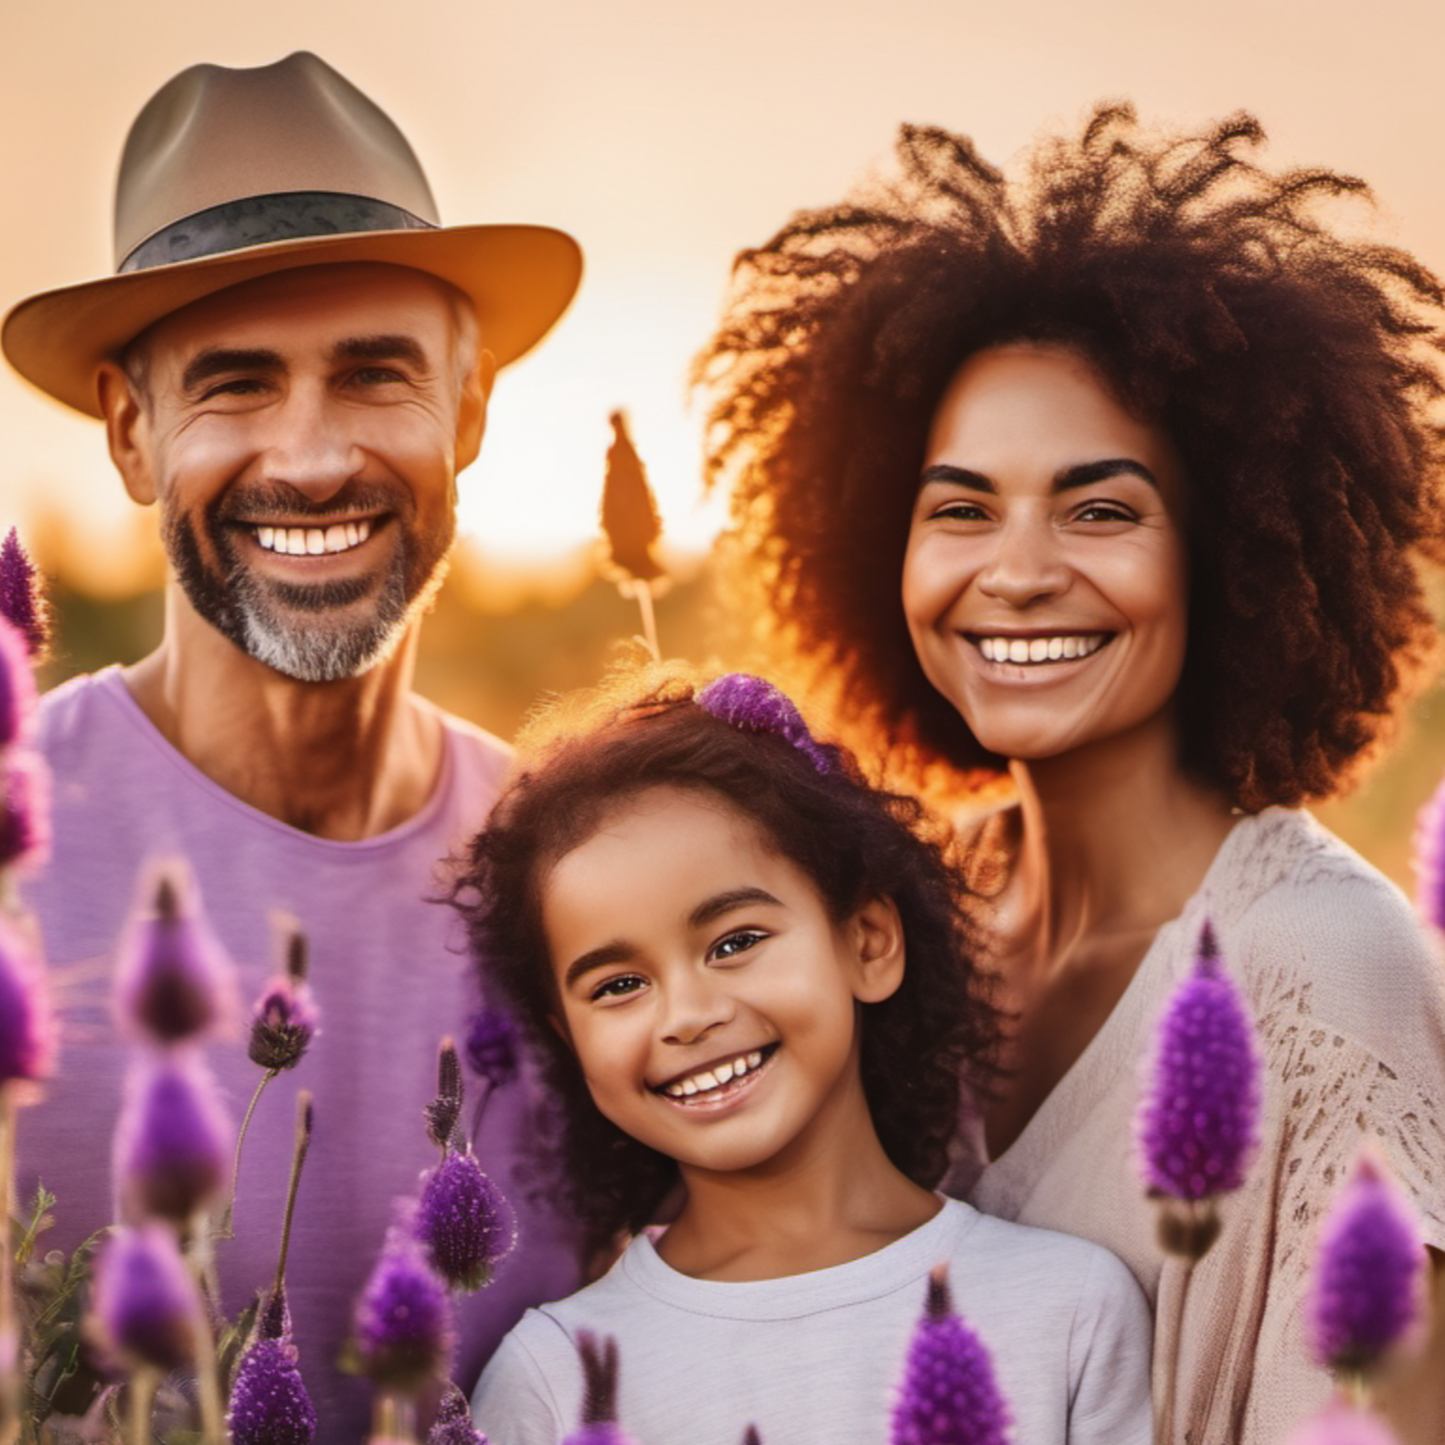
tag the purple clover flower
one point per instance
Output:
(492, 1046)
(750, 703)
(24, 811)
(403, 1318)
(948, 1395)
(20, 601)
(17, 685)
(172, 1145)
(599, 1394)
(283, 1022)
(1343, 1424)
(144, 1304)
(27, 1033)
(173, 981)
(1198, 1120)
(453, 1424)
(1368, 1272)
(464, 1222)
(269, 1403)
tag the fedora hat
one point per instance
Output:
(230, 174)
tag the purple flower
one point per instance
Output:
(20, 601)
(751, 1436)
(492, 1046)
(173, 980)
(1429, 859)
(283, 1023)
(1368, 1272)
(24, 811)
(269, 1403)
(1198, 1119)
(464, 1222)
(144, 1304)
(17, 685)
(403, 1318)
(453, 1425)
(27, 1035)
(948, 1395)
(172, 1145)
(599, 1394)
(1342, 1424)
(754, 705)
(445, 1110)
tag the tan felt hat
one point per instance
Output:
(232, 174)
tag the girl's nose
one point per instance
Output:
(692, 1008)
(1026, 564)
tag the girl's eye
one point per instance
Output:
(620, 985)
(736, 942)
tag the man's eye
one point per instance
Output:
(736, 942)
(236, 386)
(376, 375)
(618, 986)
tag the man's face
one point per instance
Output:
(302, 434)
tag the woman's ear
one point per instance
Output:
(877, 934)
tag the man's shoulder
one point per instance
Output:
(77, 711)
(477, 759)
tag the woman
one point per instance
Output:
(1120, 480)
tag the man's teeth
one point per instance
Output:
(1041, 649)
(715, 1077)
(313, 541)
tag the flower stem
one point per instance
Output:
(224, 1229)
(298, 1158)
(1164, 1418)
(394, 1418)
(649, 619)
(208, 1376)
(142, 1392)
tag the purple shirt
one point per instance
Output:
(389, 976)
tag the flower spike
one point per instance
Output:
(283, 1022)
(444, 1111)
(269, 1403)
(144, 1306)
(599, 1394)
(403, 1320)
(21, 601)
(464, 1222)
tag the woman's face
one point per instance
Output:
(1044, 582)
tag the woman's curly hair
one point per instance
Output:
(920, 1049)
(1295, 371)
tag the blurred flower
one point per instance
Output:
(599, 1396)
(1342, 1424)
(453, 1424)
(283, 1023)
(24, 810)
(948, 1395)
(492, 1046)
(173, 981)
(403, 1318)
(269, 1403)
(27, 1032)
(445, 1110)
(17, 685)
(464, 1222)
(1429, 859)
(751, 1436)
(144, 1305)
(21, 602)
(1369, 1270)
(173, 1140)
(1198, 1120)
(630, 521)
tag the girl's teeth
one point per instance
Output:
(313, 541)
(715, 1077)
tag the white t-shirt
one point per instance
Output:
(818, 1356)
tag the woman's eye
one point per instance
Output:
(1105, 512)
(618, 986)
(958, 511)
(739, 941)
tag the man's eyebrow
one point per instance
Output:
(1082, 474)
(217, 360)
(389, 347)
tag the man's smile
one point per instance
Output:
(313, 541)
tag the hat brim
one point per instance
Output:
(519, 278)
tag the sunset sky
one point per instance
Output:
(665, 136)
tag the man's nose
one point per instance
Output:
(693, 1006)
(310, 445)
(1026, 564)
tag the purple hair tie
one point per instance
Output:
(747, 702)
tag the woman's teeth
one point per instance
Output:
(1041, 649)
(313, 541)
(715, 1077)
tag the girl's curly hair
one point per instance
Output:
(920, 1049)
(1295, 371)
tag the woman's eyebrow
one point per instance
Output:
(1085, 474)
(956, 476)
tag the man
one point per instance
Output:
(293, 364)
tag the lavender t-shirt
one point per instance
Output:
(389, 979)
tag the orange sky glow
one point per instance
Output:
(665, 137)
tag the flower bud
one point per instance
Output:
(453, 1425)
(24, 811)
(27, 1032)
(269, 1403)
(144, 1305)
(283, 1023)
(464, 1222)
(403, 1318)
(21, 602)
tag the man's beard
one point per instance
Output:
(295, 627)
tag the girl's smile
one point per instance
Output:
(710, 999)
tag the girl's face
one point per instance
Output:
(1044, 582)
(710, 999)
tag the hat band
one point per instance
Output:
(258, 220)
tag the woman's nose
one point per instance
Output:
(1026, 564)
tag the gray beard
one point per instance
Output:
(293, 627)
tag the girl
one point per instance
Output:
(750, 982)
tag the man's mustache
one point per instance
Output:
(265, 501)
